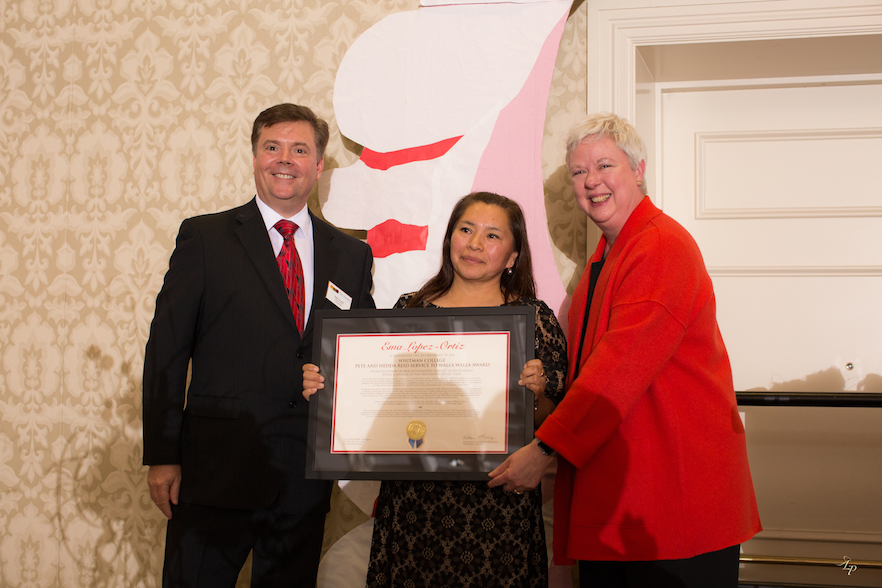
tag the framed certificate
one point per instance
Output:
(421, 393)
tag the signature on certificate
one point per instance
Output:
(478, 439)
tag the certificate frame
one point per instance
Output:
(412, 462)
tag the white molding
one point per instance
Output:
(617, 27)
(656, 165)
(845, 271)
(704, 212)
(662, 88)
(744, 22)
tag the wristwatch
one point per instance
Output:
(544, 448)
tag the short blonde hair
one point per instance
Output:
(601, 125)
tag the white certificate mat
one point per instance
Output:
(424, 393)
(430, 392)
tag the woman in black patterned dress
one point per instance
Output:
(434, 533)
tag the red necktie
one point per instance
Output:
(292, 271)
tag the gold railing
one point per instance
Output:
(810, 561)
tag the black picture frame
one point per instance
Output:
(518, 321)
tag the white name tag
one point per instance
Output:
(341, 299)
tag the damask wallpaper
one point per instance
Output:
(118, 119)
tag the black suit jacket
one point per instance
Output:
(241, 441)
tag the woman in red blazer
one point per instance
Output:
(653, 486)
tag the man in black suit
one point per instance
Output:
(228, 469)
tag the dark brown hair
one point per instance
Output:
(519, 284)
(291, 113)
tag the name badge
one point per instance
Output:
(341, 299)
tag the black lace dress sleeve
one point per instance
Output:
(551, 348)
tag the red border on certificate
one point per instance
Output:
(439, 393)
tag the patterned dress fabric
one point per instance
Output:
(465, 534)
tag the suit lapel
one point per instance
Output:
(326, 259)
(252, 233)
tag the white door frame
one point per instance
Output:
(617, 27)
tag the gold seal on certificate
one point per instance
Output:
(416, 430)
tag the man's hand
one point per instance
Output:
(523, 470)
(312, 380)
(165, 486)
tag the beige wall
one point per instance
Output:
(117, 120)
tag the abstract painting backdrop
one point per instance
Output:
(118, 119)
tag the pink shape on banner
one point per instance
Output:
(509, 169)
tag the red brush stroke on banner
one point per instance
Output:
(384, 161)
(393, 237)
